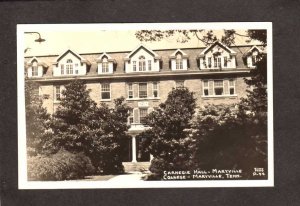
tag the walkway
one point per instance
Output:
(128, 177)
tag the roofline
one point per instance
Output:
(184, 48)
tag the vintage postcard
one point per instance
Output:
(159, 105)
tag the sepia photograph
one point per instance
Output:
(145, 105)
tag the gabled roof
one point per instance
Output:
(255, 47)
(33, 59)
(99, 59)
(140, 47)
(73, 53)
(30, 62)
(221, 45)
(173, 55)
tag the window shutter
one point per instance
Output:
(184, 63)
(110, 67)
(173, 64)
(226, 87)
(29, 71)
(40, 71)
(135, 115)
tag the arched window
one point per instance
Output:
(142, 63)
(69, 66)
(104, 65)
(179, 64)
(34, 71)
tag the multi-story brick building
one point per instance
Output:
(145, 77)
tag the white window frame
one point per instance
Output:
(155, 89)
(69, 67)
(139, 90)
(214, 87)
(105, 65)
(142, 64)
(205, 87)
(149, 65)
(134, 66)
(231, 86)
(140, 116)
(35, 69)
(56, 94)
(101, 91)
(130, 89)
(130, 116)
(179, 62)
(217, 62)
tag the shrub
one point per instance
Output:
(61, 166)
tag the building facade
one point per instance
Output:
(145, 77)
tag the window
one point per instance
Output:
(62, 69)
(142, 63)
(130, 116)
(217, 62)
(155, 89)
(34, 71)
(134, 66)
(231, 87)
(130, 91)
(179, 64)
(254, 60)
(209, 62)
(143, 114)
(179, 83)
(149, 65)
(205, 88)
(142, 90)
(218, 87)
(105, 65)
(105, 91)
(57, 93)
(69, 67)
(225, 61)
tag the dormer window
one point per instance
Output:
(34, 71)
(35, 68)
(179, 60)
(70, 63)
(69, 67)
(217, 56)
(217, 62)
(105, 65)
(179, 64)
(253, 56)
(142, 63)
(142, 59)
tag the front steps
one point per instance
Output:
(136, 166)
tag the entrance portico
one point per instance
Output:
(137, 155)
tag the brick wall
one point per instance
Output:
(119, 88)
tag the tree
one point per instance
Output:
(227, 138)
(80, 126)
(109, 134)
(168, 139)
(37, 120)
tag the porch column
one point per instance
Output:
(133, 149)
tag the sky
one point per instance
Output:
(57, 42)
